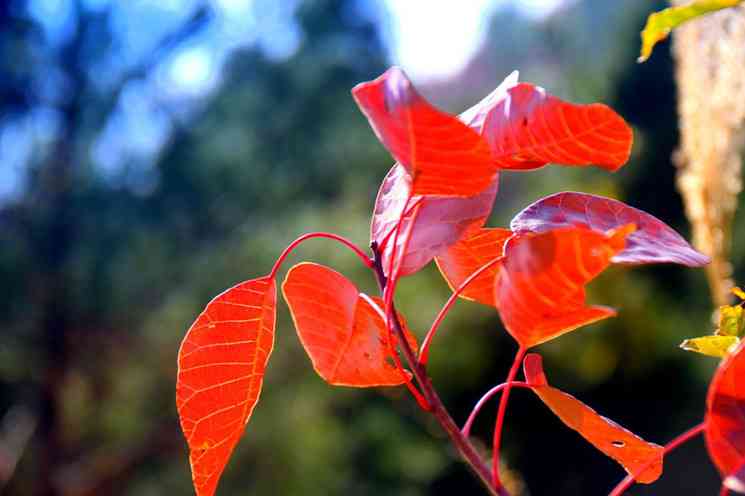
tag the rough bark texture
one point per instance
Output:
(710, 56)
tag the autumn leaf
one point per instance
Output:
(527, 128)
(715, 346)
(637, 456)
(342, 330)
(653, 241)
(725, 419)
(540, 287)
(464, 258)
(727, 334)
(221, 366)
(442, 155)
(431, 223)
(659, 24)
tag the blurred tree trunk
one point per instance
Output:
(710, 57)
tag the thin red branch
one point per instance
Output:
(466, 430)
(501, 414)
(406, 211)
(424, 348)
(686, 436)
(357, 250)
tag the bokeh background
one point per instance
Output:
(153, 153)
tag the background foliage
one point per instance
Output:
(126, 205)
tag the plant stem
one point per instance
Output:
(437, 408)
(424, 348)
(501, 414)
(724, 491)
(686, 436)
(466, 430)
(361, 254)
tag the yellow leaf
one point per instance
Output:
(661, 23)
(731, 321)
(716, 346)
(739, 293)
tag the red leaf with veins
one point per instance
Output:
(527, 128)
(631, 451)
(221, 368)
(725, 419)
(429, 228)
(342, 330)
(540, 288)
(652, 242)
(442, 155)
(468, 255)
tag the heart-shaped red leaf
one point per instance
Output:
(432, 223)
(465, 257)
(442, 155)
(725, 419)
(631, 451)
(221, 367)
(527, 128)
(539, 290)
(342, 330)
(652, 242)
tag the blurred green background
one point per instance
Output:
(155, 153)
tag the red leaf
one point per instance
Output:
(342, 330)
(540, 287)
(221, 368)
(631, 451)
(442, 155)
(652, 242)
(725, 418)
(464, 258)
(428, 229)
(527, 128)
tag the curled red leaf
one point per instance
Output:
(527, 128)
(342, 330)
(221, 366)
(431, 223)
(637, 456)
(652, 242)
(442, 155)
(540, 288)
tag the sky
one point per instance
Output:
(436, 38)
(430, 39)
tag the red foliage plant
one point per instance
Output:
(432, 205)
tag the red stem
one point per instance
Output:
(466, 430)
(424, 348)
(501, 414)
(383, 242)
(437, 408)
(361, 254)
(724, 491)
(686, 436)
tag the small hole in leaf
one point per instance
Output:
(618, 444)
(367, 355)
(390, 362)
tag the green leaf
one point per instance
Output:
(716, 346)
(661, 23)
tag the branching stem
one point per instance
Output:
(436, 407)
(501, 414)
